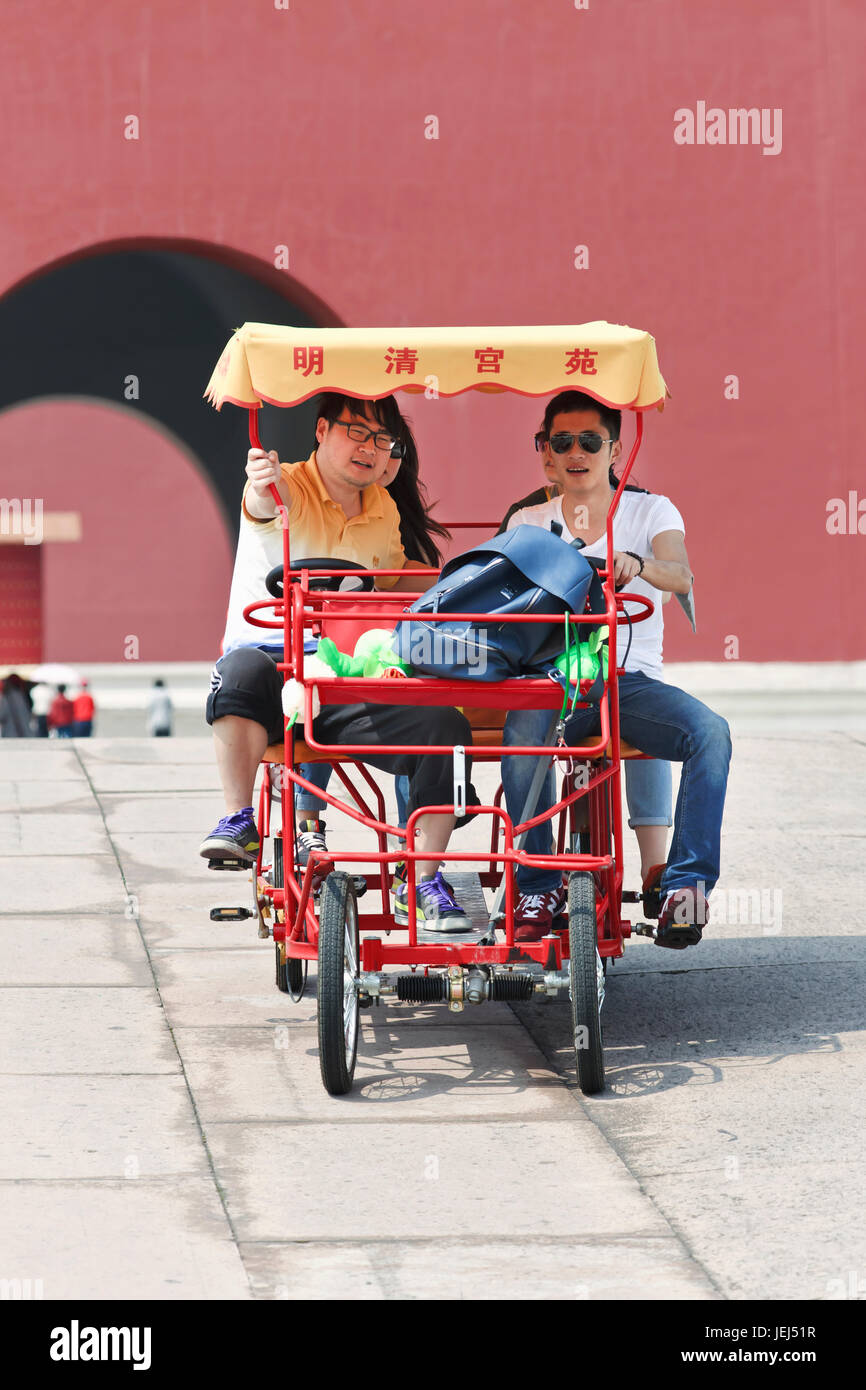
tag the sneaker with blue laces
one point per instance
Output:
(236, 837)
(435, 908)
(398, 881)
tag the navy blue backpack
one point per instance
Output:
(525, 570)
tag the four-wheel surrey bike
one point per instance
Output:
(314, 912)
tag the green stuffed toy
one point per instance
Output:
(373, 656)
(581, 663)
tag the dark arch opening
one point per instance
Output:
(161, 311)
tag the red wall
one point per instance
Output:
(154, 557)
(306, 126)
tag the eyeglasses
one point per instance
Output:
(386, 442)
(560, 443)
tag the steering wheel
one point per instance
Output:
(327, 582)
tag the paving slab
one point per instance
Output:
(189, 814)
(73, 883)
(39, 760)
(128, 1240)
(71, 950)
(27, 794)
(148, 776)
(484, 1179)
(170, 752)
(35, 833)
(114, 1127)
(481, 1270)
(56, 1031)
(168, 856)
(780, 1233)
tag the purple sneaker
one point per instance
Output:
(236, 837)
(435, 908)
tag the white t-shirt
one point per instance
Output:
(640, 517)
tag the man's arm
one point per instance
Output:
(262, 470)
(667, 568)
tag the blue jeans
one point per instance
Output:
(308, 804)
(668, 724)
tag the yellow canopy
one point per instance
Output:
(283, 366)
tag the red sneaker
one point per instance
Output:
(685, 912)
(535, 914)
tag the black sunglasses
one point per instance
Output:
(560, 443)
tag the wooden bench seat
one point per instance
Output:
(487, 726)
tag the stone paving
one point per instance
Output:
(167, 1134)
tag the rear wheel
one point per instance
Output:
(290, 971)
(587, 983)
(339, 957)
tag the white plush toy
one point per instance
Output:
(293, 691)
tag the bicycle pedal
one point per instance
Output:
(644, 929)
(230, 914)
(231, 865)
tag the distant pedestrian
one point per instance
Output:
(40, 698)
(14, 709)
(159, 710)
(61, 716)
(84, 707)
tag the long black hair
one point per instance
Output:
(610, 418)
(417, 527)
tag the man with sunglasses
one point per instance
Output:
(580, 445)
(334, 504)
(648, 781)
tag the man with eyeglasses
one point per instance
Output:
(580, 444)
(334, 504)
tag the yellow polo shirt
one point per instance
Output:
(318, 526)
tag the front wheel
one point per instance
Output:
(339, 956)
(587, 983)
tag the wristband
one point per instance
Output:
(639, 559)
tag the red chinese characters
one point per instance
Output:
(489, 359)
(403, 359)
(582, 360)
(309, 359)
